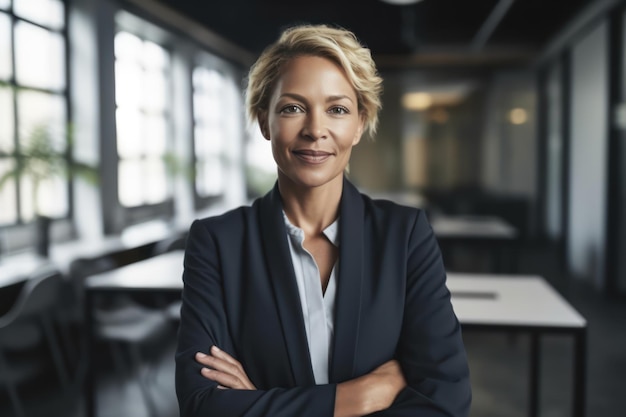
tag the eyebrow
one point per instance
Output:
(328, 99)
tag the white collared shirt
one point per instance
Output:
(317, 308)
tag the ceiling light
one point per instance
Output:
(417, 101)
(518, 116)
(401, 2)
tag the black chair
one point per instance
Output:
(119, 322)
(28, 326)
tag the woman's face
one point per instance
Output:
(313, 122)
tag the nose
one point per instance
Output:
(315, 126)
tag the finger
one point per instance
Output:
(219, 353)
(224, 379)
(202, 358)
(227, 373)
(222, 365)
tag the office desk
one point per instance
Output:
(470, 232)
(161, 274)
(506, 303)
(13, 275)
(522, 304)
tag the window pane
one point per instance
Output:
(40, 57)
(53, 196)
(40, 110)
(129, 133)
(128, 47)
(26, 198)
(208, 141)
(5, 46)
(155, 91)
(128, 84)
(156, 136)
(6, 120)
(45, 12)
(259, 152)
(207, 108)
(154, 56)
(130, 185)
(197, 78)
(209, 179)
(4, 4)
(50, 199)
(8, 198)
(156, 181)
(207, 95)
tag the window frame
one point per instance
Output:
(200, 201)
(128, 216)
(17, 234)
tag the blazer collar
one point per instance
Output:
(349, 282)
(282, 277)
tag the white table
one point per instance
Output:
(528, 304)
(494, 234)
(472, 227)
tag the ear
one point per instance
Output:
(359, 132)
(263, 125)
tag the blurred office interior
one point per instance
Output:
(493, 110)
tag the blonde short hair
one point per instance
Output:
(337, 44)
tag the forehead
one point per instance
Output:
(313, 74)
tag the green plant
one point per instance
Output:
(38, 159)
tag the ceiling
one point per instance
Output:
(431, 32)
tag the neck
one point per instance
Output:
(311, 208)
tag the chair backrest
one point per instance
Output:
(81, 268)
(38, 295)
(172, 243)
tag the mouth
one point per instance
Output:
(312, 157)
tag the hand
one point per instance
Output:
(222, 368)
(389, 381)
(371, 392)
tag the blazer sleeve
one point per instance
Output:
(204, 323)
(431, 350)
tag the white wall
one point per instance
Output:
(587, 203)
(554, 156)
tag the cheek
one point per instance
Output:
(282, 130)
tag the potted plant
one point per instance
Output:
(39, 159)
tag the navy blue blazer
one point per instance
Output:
(240, 294)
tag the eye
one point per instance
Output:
(291, 108)
(338, 110)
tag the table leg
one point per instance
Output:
(580, 374)
(89, 387)
(533, 388)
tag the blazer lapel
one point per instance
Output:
(349, 283)
(285, 288)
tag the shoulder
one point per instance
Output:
(383, 209)
(227, 222)
(399, 222)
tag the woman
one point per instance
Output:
(316, 300)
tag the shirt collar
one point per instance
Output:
(331, 232)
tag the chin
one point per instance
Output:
(310, 180)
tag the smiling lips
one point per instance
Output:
(311, 156)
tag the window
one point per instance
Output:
(260, 165)
(33, 110)
(142, 74)
(210, 111)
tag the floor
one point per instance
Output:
(497, 361)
